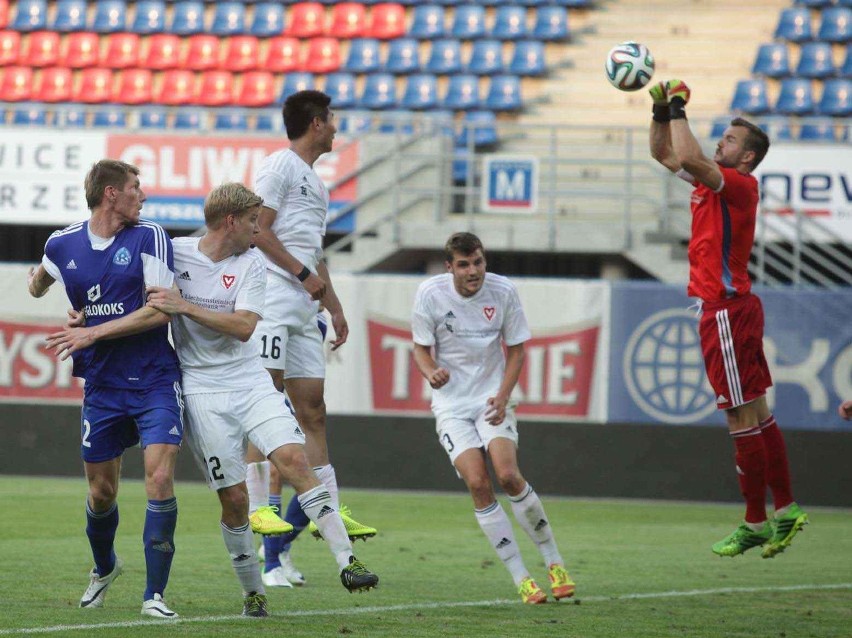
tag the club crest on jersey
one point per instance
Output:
(448, 321)
(94, 293)
(122, 257)
(228, 281)
(489, 312)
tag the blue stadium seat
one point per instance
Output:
(188, 119)
(71, 117)
(720, 125)
(551, 24)
(510, 23)
(794, 24)
(363, 56)
(266, 121)
(462, 93)
(229, 19)
(152, 118)
(815, 60)
(750, 97)
(110, 16)
(294, 82)
(150, 17)
(397, 121)
(773, 60)
(187, 17)
(481, 126)
(528, 58)
(445, 57)
(813, 4)
(843, 3)
(836, 25)
(230, 121)
(403, 56)
(421, 92)
(486, 58)
(428, 22)
(29, 115)
(504, 93)
(268, 19)
(846, 71)
(575, 4)
(777, 128)
(469, 22)
(110, 118)
(31, 16)
(819, 131)
(354, 123)
(795, 98)
(836, 98)
(340, 87)
(379, 92)
(70, 16)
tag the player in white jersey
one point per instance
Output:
(466, 316)
(292, 226)
(229, 397)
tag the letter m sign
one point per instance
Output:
(510, 184)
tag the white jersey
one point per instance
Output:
(211, 361)
(291, 188)
(468, 333)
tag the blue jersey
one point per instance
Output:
(109, 283)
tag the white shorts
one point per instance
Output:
(462, 430)
(218, 424)
(288, 336)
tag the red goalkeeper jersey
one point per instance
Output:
(722, 237)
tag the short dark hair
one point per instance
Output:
(105, 173)
(757, 140)
(462, 244)
(301, 108)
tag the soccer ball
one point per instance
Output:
(629, 66)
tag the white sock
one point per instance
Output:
(529, 512)
(257, 482)
(326, 475)
(316, 503)
(240, 545)
(498, 530)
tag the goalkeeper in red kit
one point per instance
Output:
(724, 210)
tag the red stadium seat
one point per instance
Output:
(242, 53)
(202, 53)
(307, 20)
(323, 55)
(388, 21)
(257, 89)
(282, 55)
(10, 44)
(135, 86)
(4, 13)
(94, 86)
(177, 86)
(17, 84)
(348, 20)
(43, 49)
(121, 51)
(163, 52)
(55, 85)
(216, 88)
(81, 50)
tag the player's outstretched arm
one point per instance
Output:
(436, 376)
(38, 281)
(496, 411)
(239, 324)
(660, 140)
(334, 307)
(686, 148)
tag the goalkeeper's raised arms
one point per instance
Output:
(677, 89)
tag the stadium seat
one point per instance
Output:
(348, 21)
(836, 98)
(71, 117)
(229, 18)
(114, 117)
(510, 23)
(427, 22)
(82, 49)
(230, 121)
(323, 55)
(216, 89)
(54, 85)
(121, 51)
(110, 16)
(403, 56)
(813, 4)
(340, 87)
(773, 60)
(397, 121)
(462, 93)
(266, 122)
(750, 97)
(307, 20)
(135, 86)
(202, 52)
(30, 16)
(486, 58)
(720, 125)
(481, 126)
(815, 60)
(795, 98)
(445, 57)
(504, 93)
(256, 89)
(281, 56)
(163, 52)
(354, 123)
(188, 119)
(846, 70)
(94, 87)
(4, 13)
(778, 128)
(387, 21)
(363, 56)
(379, 92)
(836, 25)
(469, 22)
(29, 115)
(42, 50)
(294, 82)
(70, 16)
(241, 53)
(153, 118)
(528, 58)
(187, 17)
(819, 131)
(794, 24)
(17, 84)
(551, 24)
(10, 45)
(421, 92)
(268, 20)
(177, 86)
(150, 17)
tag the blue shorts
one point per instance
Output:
(115, 419)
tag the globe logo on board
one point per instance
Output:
(664, 369)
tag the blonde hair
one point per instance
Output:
(229, 199)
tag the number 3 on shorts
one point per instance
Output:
(448, 442)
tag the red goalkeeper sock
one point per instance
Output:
(777, 467)
(751, 472)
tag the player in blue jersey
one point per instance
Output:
(121, 348)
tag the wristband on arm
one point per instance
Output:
(677, 108)
(661, 113)
(303, 274)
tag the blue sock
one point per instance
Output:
(272, 544)
(297, 518)
(159, 540)
(100, 528)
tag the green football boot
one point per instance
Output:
(742, 539)
(786, 527)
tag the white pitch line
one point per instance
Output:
(417, 606)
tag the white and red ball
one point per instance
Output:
(629, 66)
